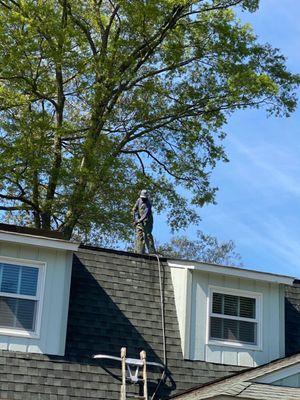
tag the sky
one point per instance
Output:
(258, 202)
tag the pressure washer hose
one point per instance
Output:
(162, 308)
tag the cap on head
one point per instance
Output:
(144, 194)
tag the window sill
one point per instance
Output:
(235, 345)
(19, 333)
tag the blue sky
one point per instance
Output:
(258, 201)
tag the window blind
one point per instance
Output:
(17, 313)
(18, 279)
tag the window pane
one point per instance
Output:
(231, 305)
(7, 312)
(29, 279)
(25, 314)
(18, 279)
(247, 307)
(236, 306)
(233, 330)
(17, 313)
(217, 303)
(216, 328)
(10, 278)
(247, 332)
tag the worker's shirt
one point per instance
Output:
(143, 208)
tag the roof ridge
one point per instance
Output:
(122, 252)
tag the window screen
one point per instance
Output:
(233, 318)
(18, 296)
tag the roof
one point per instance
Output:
(114, 302)
(36, 237)
(248, 390)
(31, 231)
(243, 384)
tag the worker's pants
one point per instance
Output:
(144, 238)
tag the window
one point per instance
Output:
(20, 297)
(234, 317)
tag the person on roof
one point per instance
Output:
(143, 223)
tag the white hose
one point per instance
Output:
(162, 308)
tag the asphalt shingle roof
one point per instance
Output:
(244, 385)
(248, 390)
(269, 392)
(114, 302)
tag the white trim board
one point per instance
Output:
(233, 271)
(32, 240)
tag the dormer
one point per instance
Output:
(35, 275)
(229, 315)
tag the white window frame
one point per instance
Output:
(38, 298)
(258, 320)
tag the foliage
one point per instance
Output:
(205, 248)
(100, 98)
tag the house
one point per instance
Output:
(215, 328)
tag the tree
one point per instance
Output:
(205, 248)
(100, 98)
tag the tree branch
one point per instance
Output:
(146, 49)
(84, 28)
(5, 5)
(18, 198)
(163, 165)
(13, 208)
(160, 71)
(219, 6)
(55, 170)
(106, 32)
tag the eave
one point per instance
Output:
(40, 241)
(232, 271)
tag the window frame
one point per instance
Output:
(39, 297)
(258, 320)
